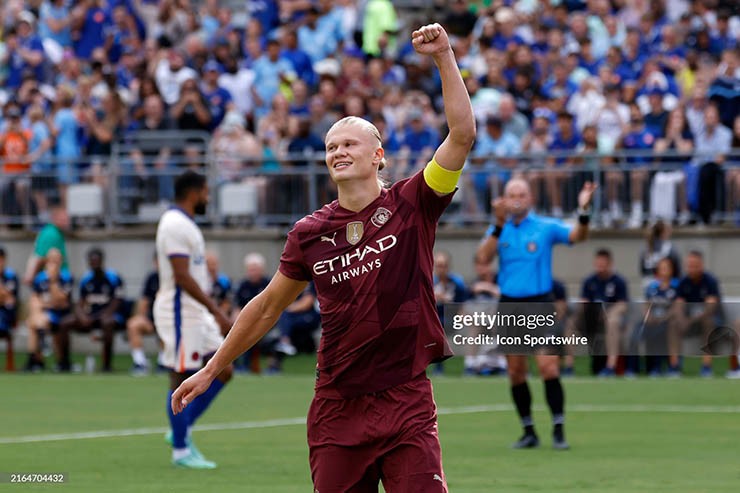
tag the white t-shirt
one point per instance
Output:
(169, 82)
(178, 235)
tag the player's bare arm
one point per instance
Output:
(451, 154)
(252, 323)
(580, 231)
(181, 271)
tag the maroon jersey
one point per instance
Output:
(372, 271)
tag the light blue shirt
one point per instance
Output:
(66, 141)
(525, 255)
(49, 11)
(267, 79)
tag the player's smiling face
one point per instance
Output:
(352, 153)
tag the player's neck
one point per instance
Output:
(356, 195)
(188, 209)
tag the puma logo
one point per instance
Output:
(331, 240)
(437, 477)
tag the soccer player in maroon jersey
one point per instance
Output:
(369, 254)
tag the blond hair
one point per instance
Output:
(365, 125)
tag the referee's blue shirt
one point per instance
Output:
(525, 255)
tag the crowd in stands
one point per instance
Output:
(647, 91)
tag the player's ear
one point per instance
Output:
(379, 156)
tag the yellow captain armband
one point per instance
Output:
(439, 179)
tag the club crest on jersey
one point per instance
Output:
(380, 217)
(531, 247)
(355, 229)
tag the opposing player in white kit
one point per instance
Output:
(189, 323)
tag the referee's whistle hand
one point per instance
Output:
(500, 209)
(586, 194)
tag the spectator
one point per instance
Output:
(98, 308)
(90, 25)
(583, 102)
(459, 20)
(418, 140)
(660, 294)
(270, 71)
(171, 73)
(448, 286)
(493, 148)
(103, 126)
(218, 99)
(566, 139)
(14, 149)
(637, 140)
(605, 293)
(379, 27)
(43, 179)
(697, 307)
(50, 301)
(55, 22)
(712, 147)
(8, 306)
(238, 80)
(513, 121)
(536, 143)
(51, 237)
(64, 130)
(678, 145)
(142, 322)
(219, 283)
(191, 112)
(733, 174)
(299, 58)
(297, 325)
(24, 52)
(233, 147)
(658, 245)
(254, 282)
(725, 88)
(657, 118)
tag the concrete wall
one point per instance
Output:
(131, 253)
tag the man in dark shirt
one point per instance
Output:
(697, 307)
(101, 292)
(8, 306)
(605, 293)
(254, 282)
(143, 322)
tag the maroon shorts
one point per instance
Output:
(389, 436)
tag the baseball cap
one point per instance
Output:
(212, 66)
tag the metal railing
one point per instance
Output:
(135, 183)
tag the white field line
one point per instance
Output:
(274, 423)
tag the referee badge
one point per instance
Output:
(355, 229)
(531, 247)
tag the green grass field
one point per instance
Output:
(639, 435)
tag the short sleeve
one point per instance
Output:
(44, 242)
(560, 232)
(622, 292)
(713, 287)
(176, 243)
(292, 264)
(430, 205)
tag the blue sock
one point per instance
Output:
(201, 403)
(178, 423)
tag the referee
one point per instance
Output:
(523, 242)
